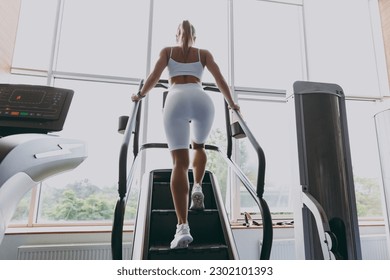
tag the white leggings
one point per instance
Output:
(187, 104)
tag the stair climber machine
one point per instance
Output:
(156, 219)
(28, 154)
(329, 215)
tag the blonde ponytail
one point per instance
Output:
(187, 31)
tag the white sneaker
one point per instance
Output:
(197, 198)
(182, 237)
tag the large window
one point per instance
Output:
(101, 49)
(341, 48)
(268, 44)
(34, 40)
(272, 127)
(365, 159)
(104, 37)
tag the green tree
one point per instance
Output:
(22, 210)
(368, 197)
(67, 208)
(79, 201)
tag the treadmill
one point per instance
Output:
(28, 153)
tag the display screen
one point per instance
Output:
(32, 108)
(26, 96)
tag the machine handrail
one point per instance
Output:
(258, 194)
(263, 206)
(259, 152)
(125, 178)
(131, 124)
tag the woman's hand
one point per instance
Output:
(137, 97)
(234, 106)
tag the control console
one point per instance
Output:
(27, 108)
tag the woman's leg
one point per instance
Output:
(199, 162)
(199, 168)
(180, 184)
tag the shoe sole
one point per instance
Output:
(197, 201)
(183, 242)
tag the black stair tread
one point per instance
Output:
(162, 196)
(164, 175)
(212, 252)
(204, 225)
(172, 211)
(191, 247)
(163, 183)
(168, 182)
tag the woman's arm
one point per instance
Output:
(154, 76)
(219, 79)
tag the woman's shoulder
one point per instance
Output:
(204, 51)
(166, 51)
(205, 54)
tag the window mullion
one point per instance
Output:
(34, 205)
(55, 40)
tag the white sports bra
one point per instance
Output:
(185, 69)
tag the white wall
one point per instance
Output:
(9, 14)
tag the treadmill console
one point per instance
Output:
(32, 108)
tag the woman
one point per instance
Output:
(186, 102)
